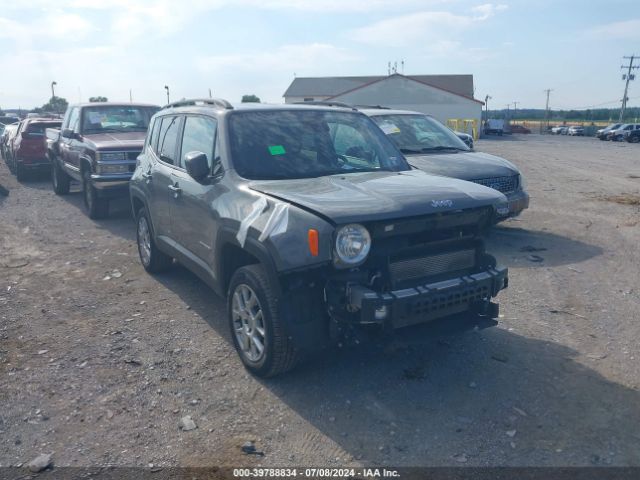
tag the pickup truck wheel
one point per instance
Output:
(21, 172)
(152, 259)
(256, 326)
(59, 178)
(96, 207)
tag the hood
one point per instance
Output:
(362, 197)
(116, 140)
(463, 165)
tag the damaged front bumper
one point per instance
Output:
(426, 302)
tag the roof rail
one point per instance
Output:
(216, 102)
(372, 107)
(326, 103)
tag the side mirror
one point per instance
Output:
(68, 133)
(197, 165)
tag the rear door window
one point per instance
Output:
(38, 129)
(153, 135)
(168, 139)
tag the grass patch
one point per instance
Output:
(624, 199)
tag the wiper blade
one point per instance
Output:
(411, 150)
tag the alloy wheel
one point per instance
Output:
(144, 241)
(248, 323)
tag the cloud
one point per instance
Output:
(54, 25)
(196, 6)
(627, 30)
(425, 26)
(275, 69)
(488, 10)
(289, 58)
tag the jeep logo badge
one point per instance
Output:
(441, 203)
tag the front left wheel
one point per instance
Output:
(59, 178)
(21, 172)
(256, 326)
(96, 207)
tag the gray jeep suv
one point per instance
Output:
(311, 223)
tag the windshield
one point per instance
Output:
(419, 133)
(116, 118)
(40, 127)
(306, 143)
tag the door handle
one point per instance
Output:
(176, 190)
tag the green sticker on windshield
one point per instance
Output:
(276, 150)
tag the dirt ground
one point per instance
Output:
(99, 361)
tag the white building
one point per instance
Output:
(446, 97)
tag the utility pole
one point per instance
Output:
(508, 112)
(210, 94)
(53, 91)
(515, 108)
(628, 77)
(130, 96)
(486, 107)
(546, 111)
(166, 87)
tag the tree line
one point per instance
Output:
(588, 115)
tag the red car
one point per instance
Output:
(519, 129)
(29, 148)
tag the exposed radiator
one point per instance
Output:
(422, 267)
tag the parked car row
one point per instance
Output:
(620, 131)
(614, 132)
(23, 146)
(318, 223)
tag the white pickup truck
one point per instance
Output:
(494, 126)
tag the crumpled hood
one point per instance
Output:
(119, 140)
(463, 165)
(362, 197)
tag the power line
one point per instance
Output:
(628, 77)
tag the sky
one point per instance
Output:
(515, 49)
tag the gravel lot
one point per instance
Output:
(99, 361)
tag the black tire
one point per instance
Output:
(96, 207)
(21, 172)
(634, 139)
(279, 355)
(59, 178)
(153, 260)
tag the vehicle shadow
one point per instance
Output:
(521, 248)
(119, 222)
(447, 394)
(489, 398)
(508, 137)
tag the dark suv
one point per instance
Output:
(432, 147)
(311, 223)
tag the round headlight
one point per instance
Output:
(353, 243)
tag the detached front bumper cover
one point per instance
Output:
(427, 302)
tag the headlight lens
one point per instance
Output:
(353, 243)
